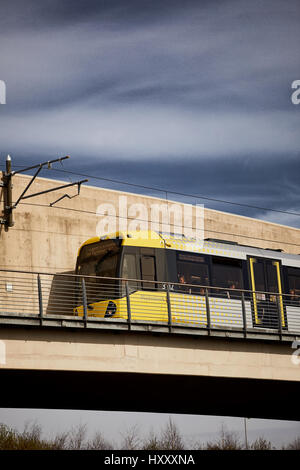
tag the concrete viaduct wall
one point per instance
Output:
(108, 351)
(105, 370)
(47, 238)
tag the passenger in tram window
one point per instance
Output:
(230, 294)
(294, 299)
(181, 279)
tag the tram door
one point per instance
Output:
(266, 281)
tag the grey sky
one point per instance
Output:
(190, 96)
(180, 96)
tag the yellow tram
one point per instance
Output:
(152, 275)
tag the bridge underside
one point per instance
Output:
(156, 393)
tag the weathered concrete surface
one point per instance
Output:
(142, 372)
(145, 353)
(47, 238)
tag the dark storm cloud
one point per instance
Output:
(115, 13)
(189, 95)
(245, 181)
(200, 54)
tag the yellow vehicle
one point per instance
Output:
(144, 260)
(151, 276)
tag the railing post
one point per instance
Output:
(244, 315)
(279, 317)
(84, 301)
(41, 313)
(128, 306)
(169, 308)
(207, 311)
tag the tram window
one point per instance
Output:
(259, 277)
(272, 281)
(129, 270)
(107, 266)
(294, 285)
(227, 272)
(148, 271)
(129, 267)
(192, 269)
(272, 278)
(100, 260)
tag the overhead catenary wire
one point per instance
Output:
(169, 191)
(150, 221)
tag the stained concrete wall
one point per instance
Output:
(47, 238)
(139, 353)
(97, 370)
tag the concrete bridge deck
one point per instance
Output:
(136, 371)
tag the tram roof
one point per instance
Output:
(224, 248)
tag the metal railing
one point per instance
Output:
(73, 300)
